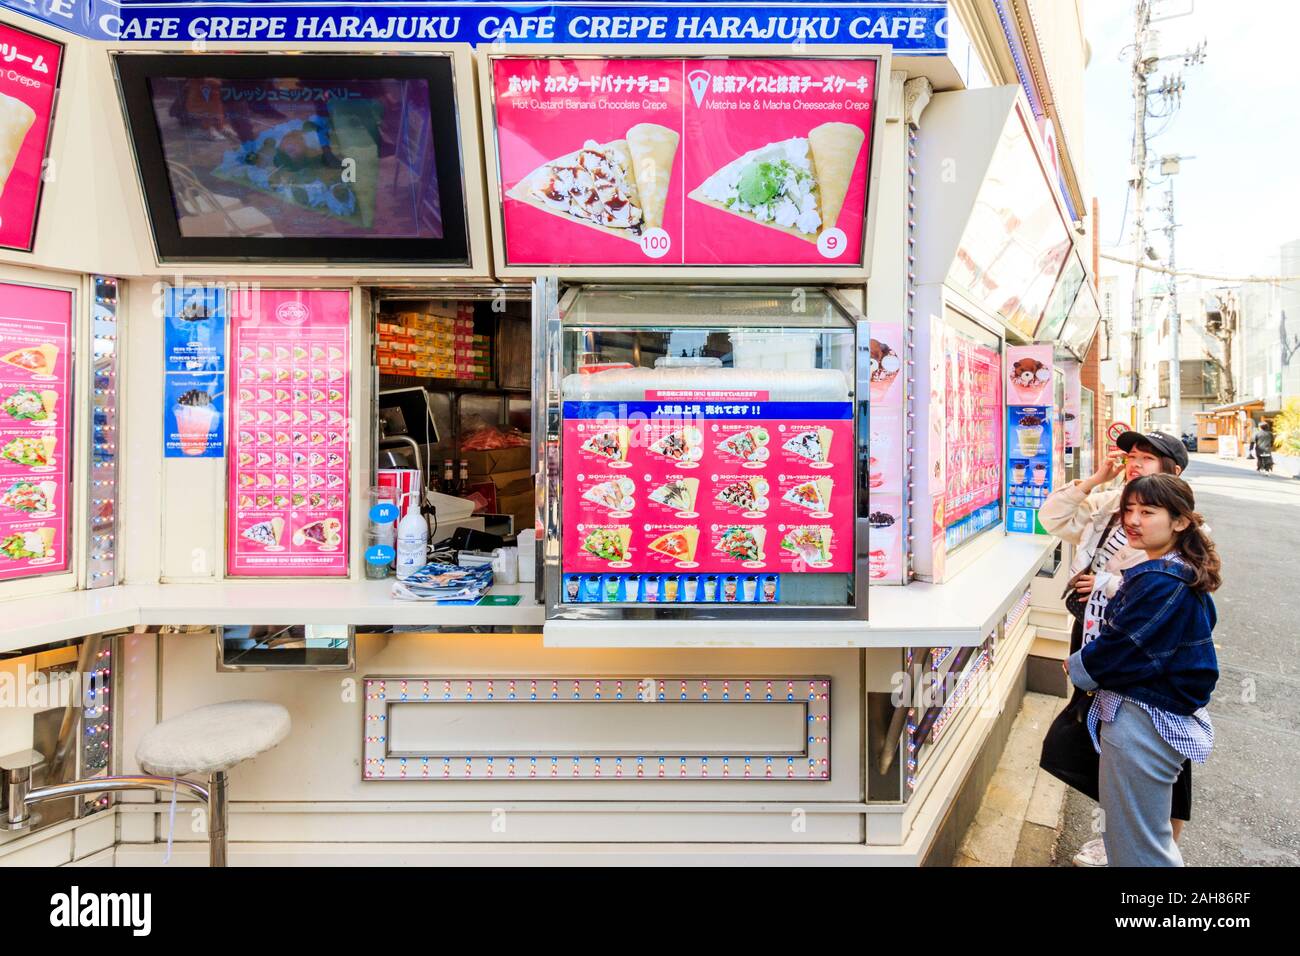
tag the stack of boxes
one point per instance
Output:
(505, 471)
(437, 342)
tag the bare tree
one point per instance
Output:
(1221, 312)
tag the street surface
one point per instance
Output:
(1245, 806)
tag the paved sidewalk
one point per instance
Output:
(1019, 818)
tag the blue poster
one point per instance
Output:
(193, 406)
(196, 329)
(194, 365)
(1029, 466)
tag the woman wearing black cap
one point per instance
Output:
(1085, 513)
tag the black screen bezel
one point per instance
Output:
(135, 70)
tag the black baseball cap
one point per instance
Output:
(1158, 442)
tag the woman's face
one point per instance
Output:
(1141, 462)
(1150, 527)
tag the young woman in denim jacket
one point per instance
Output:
(1153, 667)
(1085, 513)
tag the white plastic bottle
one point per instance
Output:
(412, 540)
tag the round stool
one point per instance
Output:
(210, 740)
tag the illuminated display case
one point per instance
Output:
(704, 453)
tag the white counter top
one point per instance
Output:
(958, 613)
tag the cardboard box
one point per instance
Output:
(517, 505)
(493, 460)
(510, 483)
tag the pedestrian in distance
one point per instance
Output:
(1264, 448)
(1086, 514)
(1153, 668)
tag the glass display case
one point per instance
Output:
(704, 453)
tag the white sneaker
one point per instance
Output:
(1092, 853)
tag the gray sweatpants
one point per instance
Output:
(1137, 774)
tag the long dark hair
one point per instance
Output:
(1175, 496)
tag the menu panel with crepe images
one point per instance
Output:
(973, 446)
(289, 438)
(708, 485)
(35, 464)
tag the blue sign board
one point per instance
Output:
(194, 363)
(915, 28)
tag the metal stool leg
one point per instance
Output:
(217, 819)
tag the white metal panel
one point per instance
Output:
(321, 759)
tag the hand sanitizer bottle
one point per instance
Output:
(412, 540)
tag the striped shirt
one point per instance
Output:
(1193, 736)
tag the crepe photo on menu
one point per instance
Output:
(266, 533)
(28, 405)
(742, 543)
(37, 359)
(679, 544)
(748, 495)
(813, 444)
(30, 452)
(679, 495)
(749, 445)
(615, 495)
(814, 495)
(811, 545)
(796, 185)
(619, 187)
(324, 534)
(608, 544)
(610, 445)
(16, 118)
(681, 446)
(29, 545)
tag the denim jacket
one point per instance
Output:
(1155, 645)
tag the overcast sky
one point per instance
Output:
(1239, 199)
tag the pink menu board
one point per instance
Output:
(684, 162)
(35, 437)
(711, 484)
(289, 455)
(973, 405)
(27, 85)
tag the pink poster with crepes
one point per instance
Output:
(289, 442)
(29, 78)
(733, 486)
(35, 432)
(741, 161)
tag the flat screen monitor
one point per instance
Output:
(329, 157)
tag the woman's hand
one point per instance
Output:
(1083, 584)
(1111, 468)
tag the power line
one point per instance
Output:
(1185, 273)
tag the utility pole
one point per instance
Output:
(1146, 60)
(1138, 177)
(1169, 166)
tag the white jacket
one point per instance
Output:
(1081, 518)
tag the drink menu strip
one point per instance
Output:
(709, 486)
(35, 438)
(290, 446)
